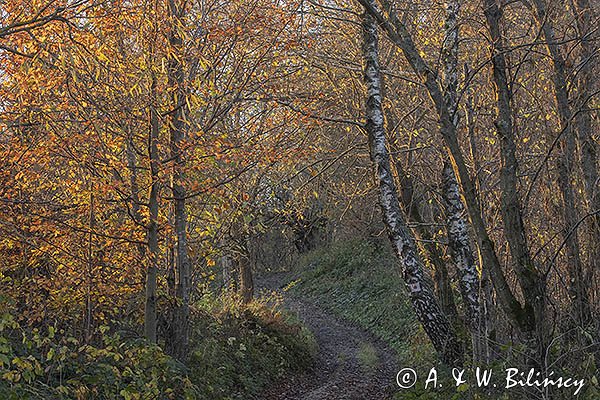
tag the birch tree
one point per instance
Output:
(425, 304)
(459, 241)
(522, 316)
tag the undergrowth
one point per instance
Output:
(236, 351)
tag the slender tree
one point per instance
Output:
(459, 241)
(425, 304)
(177, 126)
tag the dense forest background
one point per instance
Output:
(162, 161)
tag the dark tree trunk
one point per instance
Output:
(179, 340)
(521, 317)
(399, 35)
(150, 323)
(588, 149)
(531, 280)
(246, 279)
(578, 287)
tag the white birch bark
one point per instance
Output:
(425, 304)
(398, 34)
(459, 241)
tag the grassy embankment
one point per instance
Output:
(359, 281)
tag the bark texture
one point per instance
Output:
(459, 244)
(521, 317)
(459, 241)
(425, 304)
(398, 34)
(431, 250)
(486, 292)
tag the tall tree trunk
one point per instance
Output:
(425, 304)
(487, 320)
(135, 198)
(90, 270)
(450, 60)
(459, 241)
(443, 287)
(588, 151)
(531, 280)
(227, 268)
(152, 233)
(177, 125)
(464, 259)
(432, 251)
(566, 169)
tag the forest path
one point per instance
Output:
(351, 364)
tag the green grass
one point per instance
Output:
(360, 282)
(242, 349)
(367, 356)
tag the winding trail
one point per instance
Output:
(351, 364)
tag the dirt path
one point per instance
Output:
(351, 364)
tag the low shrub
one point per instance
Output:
(236, 351)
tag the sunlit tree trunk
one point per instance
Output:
(459, 244)
(443, 288)
(425, 304)
(588, 149)
(487, 320)
(398, 34)
(134, 188)
(522, 317)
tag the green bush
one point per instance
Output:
(51, 365)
